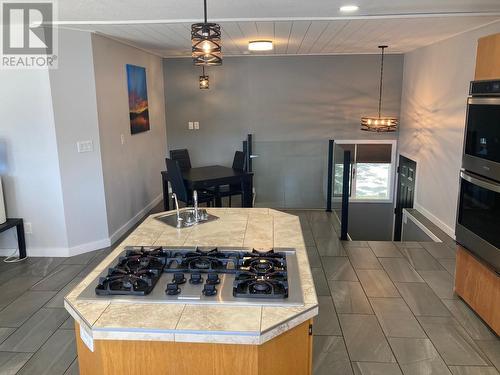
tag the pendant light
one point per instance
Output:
(206, 44)
(204, 82)
(379, 123)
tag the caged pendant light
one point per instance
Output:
(206, 43)
(379, 123)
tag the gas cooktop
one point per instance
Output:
(224, 275)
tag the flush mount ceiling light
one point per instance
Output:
(379, 123)
(206, 43)
(349, 8)
(204, 83)
(260, 45)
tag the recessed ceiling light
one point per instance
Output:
(349, 8)
(260, 45)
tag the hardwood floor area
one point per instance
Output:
(385, 308)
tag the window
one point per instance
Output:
(372, 169)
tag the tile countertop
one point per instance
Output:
(260, 228)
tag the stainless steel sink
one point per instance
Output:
(187, 216)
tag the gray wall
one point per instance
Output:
(75, 114)
(277, 99)
(433, 108)
(131, 171)
(412, 232)
(370, 221)
(29, 163)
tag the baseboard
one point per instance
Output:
(444, 227)
(38, 252)
(89, 246)
(59, 251)
(129, 224)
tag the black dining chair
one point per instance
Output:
(174, 174)
(234, 189)
(182, 156)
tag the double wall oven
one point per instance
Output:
(478, 217)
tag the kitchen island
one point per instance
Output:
(188, 338)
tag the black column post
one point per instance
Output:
(344, 222)
(330, 177)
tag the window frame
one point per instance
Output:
(393, 143)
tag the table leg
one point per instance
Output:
(21, 240)
(218, 199)
(166, 198)
(247, 187)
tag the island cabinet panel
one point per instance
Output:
(488, 58)
(286, 354)
(479, 287)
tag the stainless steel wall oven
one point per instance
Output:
(478, 217)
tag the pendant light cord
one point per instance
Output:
(381, 80)
(205, 8)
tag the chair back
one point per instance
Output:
(239, 161)
(182, 156)
(176, 181)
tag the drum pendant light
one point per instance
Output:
(379, 123)
(206, 43)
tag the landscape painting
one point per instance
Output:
(137, 99)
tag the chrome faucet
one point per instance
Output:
(195, 201)
(179, 218)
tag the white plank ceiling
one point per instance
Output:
(297, 37)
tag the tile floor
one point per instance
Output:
(385, 309)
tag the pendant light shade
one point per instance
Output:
(204, 82)
(206, 43)
(379, 123)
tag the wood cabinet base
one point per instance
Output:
(488, 57)
(479, 286)
(287, 354)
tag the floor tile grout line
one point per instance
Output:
(422, 328)
(336, 313)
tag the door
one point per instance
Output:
(405, 191)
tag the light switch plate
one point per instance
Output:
(196, 125)
(190, 125)
(85, 146)
(122, 139)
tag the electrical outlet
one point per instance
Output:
(196, 125)
(27, 228)
(190, 125)
(122, 139)
(84, 146)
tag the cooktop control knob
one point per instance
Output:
(179, 278)
(196, 278)
(209, 290)
(213, 279)
(172, 289)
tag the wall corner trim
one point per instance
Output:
(129, 224)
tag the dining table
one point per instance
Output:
(213, 176)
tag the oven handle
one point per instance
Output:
(479, 181)
(484, 100)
